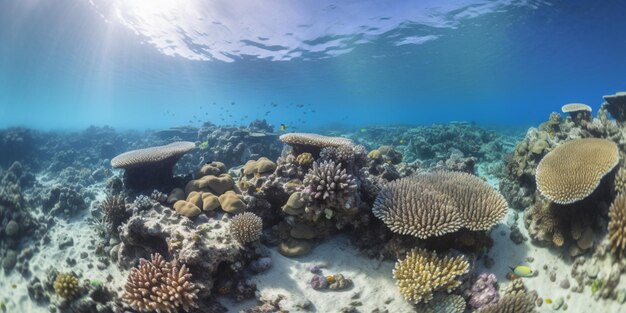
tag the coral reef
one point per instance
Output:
(573, 170)
(200, 243)
(161, 286)
(246, 227)
(434, 204)
(421, 273)
(235, 145)
(617, 225)
(64, 201)
(151, 167)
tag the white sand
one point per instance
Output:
(373, 284)
(50, 256)
(505, 253)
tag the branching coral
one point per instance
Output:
(516, 299)
(114, 212)
(434, 204)
(617, 225)
(573, 170)
(422, 272)
(66, 285)
(246, 227)
(161, 286)
(327, 184)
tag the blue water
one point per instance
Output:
(154, 64)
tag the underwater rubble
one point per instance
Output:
(218, 218)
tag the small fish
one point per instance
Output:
(363, 130)
(548, 301)
(522, 271)
(401, 141)
(203, 145)
(283, 127)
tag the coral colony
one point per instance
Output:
(191, 219)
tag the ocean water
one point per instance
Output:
(312, 156)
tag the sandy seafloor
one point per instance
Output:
(373, 290)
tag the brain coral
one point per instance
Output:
(434, 204)
(422, 272)
(617, 225)
(573, 170)
(246, 227)
(161, 286)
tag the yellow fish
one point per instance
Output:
(401, 141)
(283, 127)
(548, 301)
(522, 271)
(203, 145)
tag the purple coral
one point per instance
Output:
(319, 282)
(484, 290)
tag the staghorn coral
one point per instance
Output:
(423, 272)
(328, 185)
(66, 285)
(161, 286)
(114, 212)
(434, 204)
(573, 170)
(246, 227)
(617, 226)
(151, 167)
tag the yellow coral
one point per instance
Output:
(422, 272)
(617, 225)
(305, 159)
(66, 285)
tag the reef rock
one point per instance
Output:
(200, 243)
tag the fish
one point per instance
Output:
(283, 127)
(363, 130)
(522, 271)
(401, 141)
(548, 301)
(204, 145)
